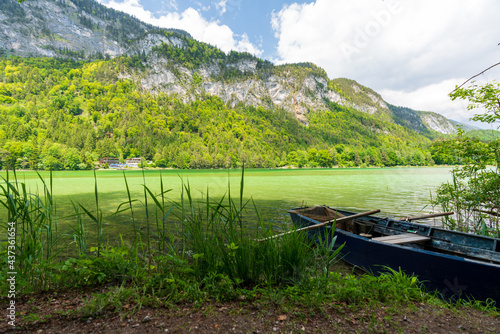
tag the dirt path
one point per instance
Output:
(55, 313)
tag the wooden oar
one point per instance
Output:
(493, 213)
(432, 215)
(329, 222)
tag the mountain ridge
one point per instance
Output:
(86, 29)
(68, 28)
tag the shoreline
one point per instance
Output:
(228, 169)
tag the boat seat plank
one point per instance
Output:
(404, 238)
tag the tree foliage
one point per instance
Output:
(486, 97)
(474, 194)
(65, 114)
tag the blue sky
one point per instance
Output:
(412, 52)
(240, 25)
(250, 18)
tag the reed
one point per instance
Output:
(211, 238)
(80, 233)
(146, 207)
(130, 206)
(215, 235)
(476, 210)
(162, 211)
(96, 218)
(34, 219)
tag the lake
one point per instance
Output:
(395, 191)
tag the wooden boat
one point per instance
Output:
(455, 264)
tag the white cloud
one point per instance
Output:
(190, 20)
(221, 6)
(424, 98)
(435, 97)
(410, 51)
(172, 4)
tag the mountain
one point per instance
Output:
(79, 82)
(422, 121)
(465, 127)
(78, 29)
(83, 29)
(242, 78)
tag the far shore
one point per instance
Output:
(232, 168)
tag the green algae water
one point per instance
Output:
(395, 191)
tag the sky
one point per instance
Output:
(412, 52)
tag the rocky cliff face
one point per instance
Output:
(272, 90)
(409, 118)
(78, 29)
(54, 26)
(83, 28)
(438, 123)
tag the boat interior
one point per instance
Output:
(409, 234)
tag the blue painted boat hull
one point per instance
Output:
(450, 275)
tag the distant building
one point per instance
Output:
(133, 162)
(115, 162)
(109, 161)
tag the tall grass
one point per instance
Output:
(212, 236)
(219, 244)
(36, 237)
(476, 209)
(96, 218)
(215, 235)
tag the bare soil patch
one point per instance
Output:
(57, 313)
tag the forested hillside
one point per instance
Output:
(65, 114)
(116, 87)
